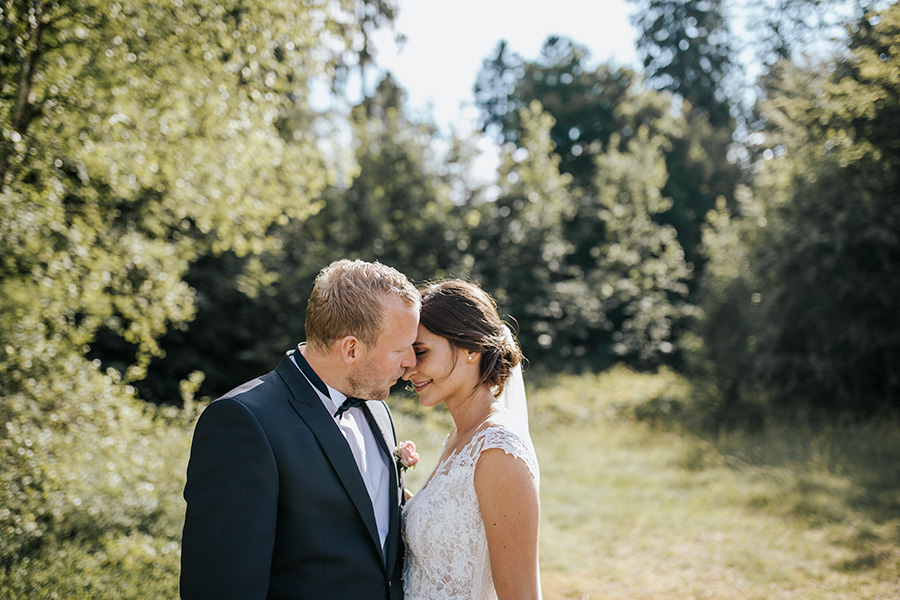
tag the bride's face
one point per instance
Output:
(441, 372)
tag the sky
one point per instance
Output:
(447, 40)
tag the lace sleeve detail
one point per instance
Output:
(447, 555)
(513, 443)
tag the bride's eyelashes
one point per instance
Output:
(420, 351)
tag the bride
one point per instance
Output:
(472, 530)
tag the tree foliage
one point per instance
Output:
(394, 207)
(635, 289)
(150, 136)
(686, 49)
(135, 138)
(517, 244)
(609, 292)
(797, 29)
(582, 99)
(592, 105)
(816, 245)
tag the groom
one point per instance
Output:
(292, 491)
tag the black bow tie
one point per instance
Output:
(347, 405)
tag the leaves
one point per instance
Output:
(687, 49)
(138, 138)
(813, 258)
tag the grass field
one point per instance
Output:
(636, 511)
(636, 503)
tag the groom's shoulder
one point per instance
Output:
(249, 388)
(255, 393)
(260, 401)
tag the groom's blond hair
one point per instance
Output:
(348, 299)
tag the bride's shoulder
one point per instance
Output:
(498, 428)
(499, 435)
(501, 426)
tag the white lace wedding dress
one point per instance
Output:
(446, 549)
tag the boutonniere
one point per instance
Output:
(406, 455)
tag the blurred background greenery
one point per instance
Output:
(168, 195)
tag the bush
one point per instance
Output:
(91, 489)
(619, 393)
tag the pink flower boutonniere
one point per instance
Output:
(406, 455)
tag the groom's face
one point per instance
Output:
(381, 365)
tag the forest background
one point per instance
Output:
(169, 193)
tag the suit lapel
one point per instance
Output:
(382, 426)
(309, 407)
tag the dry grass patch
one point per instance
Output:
(638, 511)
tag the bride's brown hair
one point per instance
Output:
(466, 316)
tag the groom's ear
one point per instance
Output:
(350, 347)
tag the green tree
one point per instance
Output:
(631, 296)
(517, 244)
(394, 207)
(722, 342)
(397, 208)
(701, 173)
(819, 237)
(582, 99)
(686, 49)
(613, 296)
(789, 29)
(597, 114)
(151, 137)
(495, 92)
(591, 104)
(135, 138)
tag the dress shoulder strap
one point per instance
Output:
(512, 442)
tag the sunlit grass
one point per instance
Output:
(632, 510)
(635, 503)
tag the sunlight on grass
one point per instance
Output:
(638, 511)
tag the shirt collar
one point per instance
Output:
(329, 395)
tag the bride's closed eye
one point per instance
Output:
(420, 351)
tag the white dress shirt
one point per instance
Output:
(369, 458)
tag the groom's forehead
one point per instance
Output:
(400, 323)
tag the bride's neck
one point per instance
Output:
(473, 411)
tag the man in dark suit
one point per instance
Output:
(292, 490)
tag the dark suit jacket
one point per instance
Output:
(276, 506)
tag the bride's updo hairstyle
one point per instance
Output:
(467, 317)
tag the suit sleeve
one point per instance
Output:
(231, 494)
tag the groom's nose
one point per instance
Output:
(409, 359)
(408, 372)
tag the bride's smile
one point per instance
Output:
(418, 387)
(442, 372)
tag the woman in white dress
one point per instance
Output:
(471, 532)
